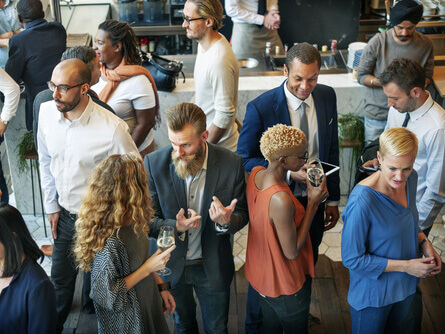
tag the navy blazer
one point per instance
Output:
(225, 180)
(33, 54)
(271, 108)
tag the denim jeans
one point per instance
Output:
(63, 270)
(254, 317)
(373, 129)
(214, 303)
(385, 319)
(288, 313)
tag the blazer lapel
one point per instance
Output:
(280, 106)
(212, 178)
(179, 188)
(321, 122)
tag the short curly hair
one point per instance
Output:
(277, 140)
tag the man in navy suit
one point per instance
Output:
(312, 107)
(199, 189)
(34, 52)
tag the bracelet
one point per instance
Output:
(164, 286)
(372, 80)
(422, 242)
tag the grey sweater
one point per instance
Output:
(381, 50)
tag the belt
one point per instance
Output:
(72, 216)
(193, 262)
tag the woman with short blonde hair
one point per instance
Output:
(381, 239)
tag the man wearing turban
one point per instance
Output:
(401, 41)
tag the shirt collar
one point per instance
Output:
(294, 102)
(419, 112)
(84, 118)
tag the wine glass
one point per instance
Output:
(315, 172)
(166, 239)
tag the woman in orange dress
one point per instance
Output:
(279, 261)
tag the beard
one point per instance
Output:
(69, 105)
(410, 105)
(191, 165)
(404, 38)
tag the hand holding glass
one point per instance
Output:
(315, 172)
(166, 239)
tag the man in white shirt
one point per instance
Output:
(216, 71)
(74, 135)
(411, 106)
(11, 91)
(255, 22)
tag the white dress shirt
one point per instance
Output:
(70, 150)
(11, 90)
(246, 11)
(428, 124)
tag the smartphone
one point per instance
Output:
(329, 168)
(364, 169)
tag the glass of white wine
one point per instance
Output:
(166, 239)
(315, 172)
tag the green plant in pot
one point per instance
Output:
(25, 146)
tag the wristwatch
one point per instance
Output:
(4, 122)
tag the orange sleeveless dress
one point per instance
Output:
(267, 269)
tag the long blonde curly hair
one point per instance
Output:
(117, 195)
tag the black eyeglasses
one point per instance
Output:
(186, 19)
(63, 89)
(305, 157)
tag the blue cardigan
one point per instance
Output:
(28, 304)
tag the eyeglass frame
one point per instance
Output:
(191, 20)
(305, 158)
(62, 89)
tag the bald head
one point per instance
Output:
(75, 71)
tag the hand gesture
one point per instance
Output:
(183, 224)
(157, 261)
(220, 214)
(169, 304)
(429, 251)
(272, 20)
(316, 195)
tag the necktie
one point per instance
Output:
(262, 7)
(303, 120)
(405, 122)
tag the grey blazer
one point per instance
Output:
(224, 179)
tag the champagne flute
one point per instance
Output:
(166, 239)
(315, 172)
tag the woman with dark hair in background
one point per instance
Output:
(27, 298)
(125, 85)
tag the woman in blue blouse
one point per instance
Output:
(27, 298)
(381, 240)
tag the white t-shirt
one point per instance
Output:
(216, 83)
(135, 93)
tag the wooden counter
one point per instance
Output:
(439, 80)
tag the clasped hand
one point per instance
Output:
(183, 223)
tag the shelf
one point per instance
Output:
(158, 30)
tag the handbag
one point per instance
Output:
(164, 71)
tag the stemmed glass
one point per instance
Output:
(315, 172)
(166, 239)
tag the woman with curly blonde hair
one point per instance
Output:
(112, 241)
(279, 260)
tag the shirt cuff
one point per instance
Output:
(52, 207)
(332, 203)
(259, 20)
(222, 121)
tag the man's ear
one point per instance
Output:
(415, 92)
(285, 71)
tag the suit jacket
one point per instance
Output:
(271, 108)
(33, 54)
(225, 180)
